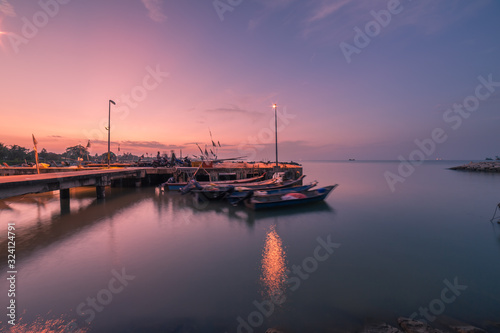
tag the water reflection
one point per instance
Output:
(273, 266)
(189, 206)
(40, 222)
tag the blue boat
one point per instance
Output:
(218, 192)
(239, 196)
(290, 199)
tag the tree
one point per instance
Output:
(104, 157)
(76, 152)
(17, 153)
(3, 151)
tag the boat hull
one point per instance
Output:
(275, 201)
(221, 192)
(178, 186)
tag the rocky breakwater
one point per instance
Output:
(407, 325)
(479, 167)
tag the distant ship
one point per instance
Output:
(352, 159)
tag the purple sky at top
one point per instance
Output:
(352, 79)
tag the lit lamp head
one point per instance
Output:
(274, 106)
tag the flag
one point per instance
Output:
(36, 154)
(206, 152)
(212, 139)
(212, 152)
(118, 147)
(201, 151)
(88, 144)
(218, 143)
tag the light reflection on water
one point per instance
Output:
(273, 265)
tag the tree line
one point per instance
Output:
(15, 154)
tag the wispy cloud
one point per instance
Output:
(326, 9)
(7, 8)
(154, 9)
(267, 8)
(231, 109)
(138, 144)
(326, 20)
(149, 144)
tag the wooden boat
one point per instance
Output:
(290, 199)
(218, 192)
(239, 196)
(177, 186)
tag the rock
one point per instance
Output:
(414, 326)
(274, 330)
(381, 328)
(468, 329)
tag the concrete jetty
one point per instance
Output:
(11, 186)
(486, 166)
(54, 179)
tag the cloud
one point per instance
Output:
(149, 144)
(424, 17)
(137, 144)
(7, 8)
(232, 109)
(326, 9)
(154, 9)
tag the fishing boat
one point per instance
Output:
(239, 196)
(218, 192)
(289, 199)
(172, 186)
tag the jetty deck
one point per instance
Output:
(63, 180)
(11, 186)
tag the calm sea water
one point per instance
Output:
(142, 261)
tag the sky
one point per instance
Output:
(367, 80)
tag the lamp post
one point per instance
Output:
(275, 107)
(109, 131)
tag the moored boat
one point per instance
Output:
(289, 199)
(218, 192)
(238, 196)
(172, 186)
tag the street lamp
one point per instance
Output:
(275, 107)
(109, 130)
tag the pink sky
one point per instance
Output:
(224, 75)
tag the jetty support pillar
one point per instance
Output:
(64, 193)
(100, 187)
(64, 201)
(138, 178)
